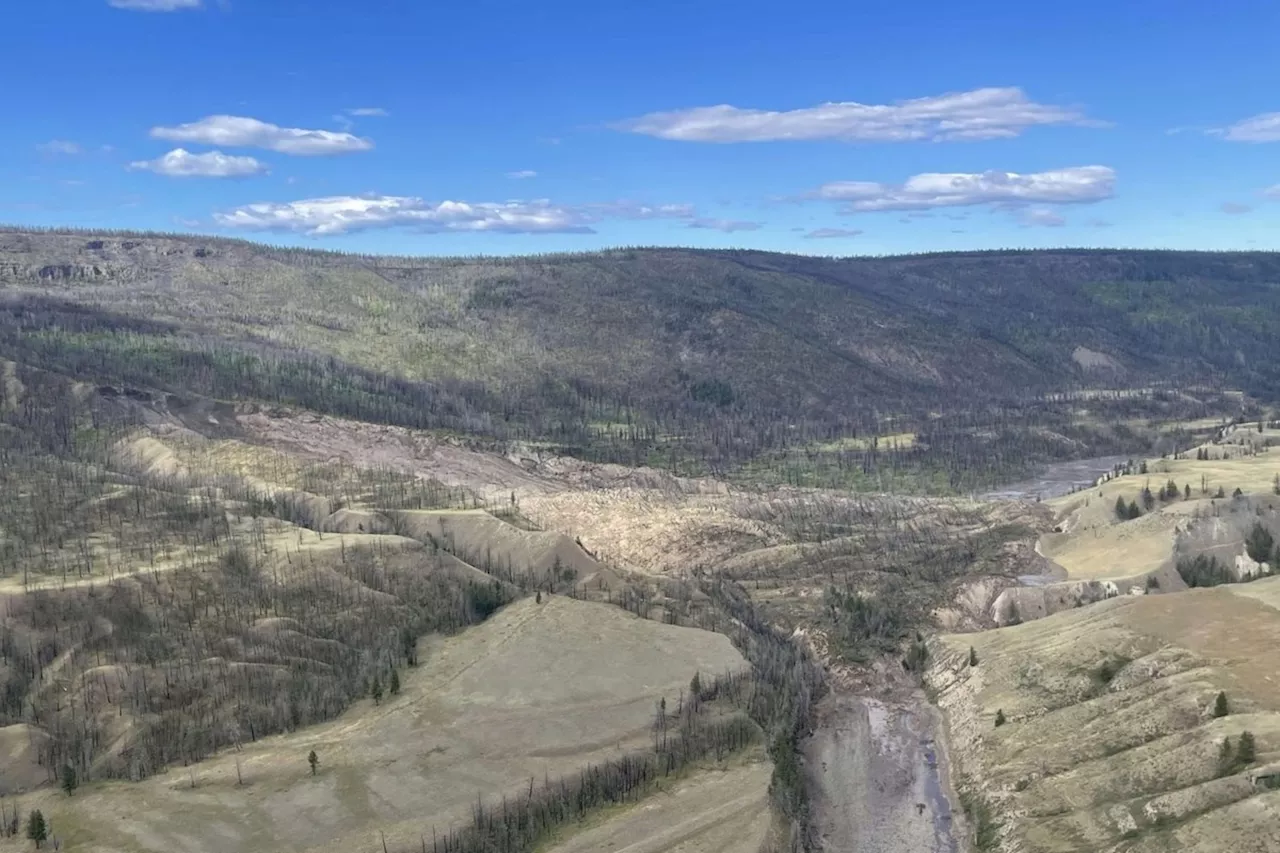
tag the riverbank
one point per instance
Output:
(1057, 479)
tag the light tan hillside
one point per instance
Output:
(1110, 741)
(1094, 545)
(537, 691)
(716, 811)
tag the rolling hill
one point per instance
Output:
(698, 360)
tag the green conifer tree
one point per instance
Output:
(37, 829)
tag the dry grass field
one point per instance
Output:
(1110, 741)
(537, 691)
(1094, 545)
(719, 810)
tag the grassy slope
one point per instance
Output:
(1094, 545)
(537, 690)
(1110, 738)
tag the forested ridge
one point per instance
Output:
(736, 363)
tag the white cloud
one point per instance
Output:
(521, 174)
(1074, 185)
(368, 112)
(1234, 207)
(830, 233)
(728, 226)
(1041, 216)
(239, 132)
(180, 163)
(991, 113)
(60, 146)
(1259, 128)
(155, 5)
(635, 210)
(1272, 192)
(344, 214)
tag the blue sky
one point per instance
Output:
(492, 126)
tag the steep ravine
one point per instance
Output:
(880, 777)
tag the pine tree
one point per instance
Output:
(313, 760)
(1186, 491)
(1259, 543)
(1148, 499)
(1134, 510)
(1122, 509)
(1225, 759)
(375, 690)
(1220, 707)
(1000, 718)
(69, 780)
(973, 657)
(395, 683)
(1247, 752)
(37, 829)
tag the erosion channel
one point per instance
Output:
(879, 776)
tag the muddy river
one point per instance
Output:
(1060, 478)
(880, 778)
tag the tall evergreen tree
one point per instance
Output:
(69, 780)
(1247, 751)
(37, 829)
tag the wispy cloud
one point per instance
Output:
(155, 5)
(831, 233)
(1234, 207)
(1259, 128)
(343, 119)
(1098, 223)
(635, 210)
(1272, 192)
(55, 147)
(991, 113)
(240, 132)
(522, 174)
(1041, 216)
(345, 214)
(728, 226)
(180, 163)
(1074, 185)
